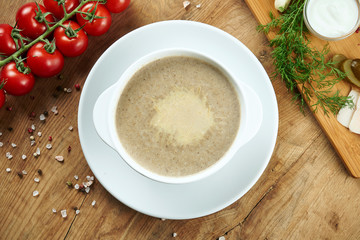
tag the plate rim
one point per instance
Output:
(261, 169)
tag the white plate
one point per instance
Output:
(183, 201)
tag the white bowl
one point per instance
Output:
(105, 110)
(317, 33)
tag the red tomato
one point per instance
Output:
(28, 17)
(16, 82)
(2, 98)
(7, 43)
(117, 6)
(43, 63)
(56, 8)
(69, 45)
(94, 26)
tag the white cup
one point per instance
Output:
(105, 111)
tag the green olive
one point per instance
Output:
(338, 59)
(346, 68)
(355, 67)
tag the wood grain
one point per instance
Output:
(346, 143)
(304, 192)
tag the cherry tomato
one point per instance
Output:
(17, 83)
(28, 17)
(7, 43)
(56, 8)
(43, 63)
(70, 41)
(117, 6)
(2, 98)
(93, 25)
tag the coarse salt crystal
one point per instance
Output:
(8, 169)
(221, 238)
(24, 172)
(36, 180)
(198, 5)
(23, 156)
(42, 117)
(76, 186)
(48, 146)
(32, 142)
(33, 127)
(63, 213)
(0, 133)
(39, 134)
(71, 128)
(69, 90)
(9, 156)
(35, 193)
(186, 4)
(93, 203)
(87, 189)
(1, 144)
(54, 210)
(76, 177)
(174, 234)
(59, 158)
(38, 151)
(13, 145)
(77, 211)
(54, 110)
(90, 179)
(163, 219)
(88, 184)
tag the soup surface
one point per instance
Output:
(178, 115)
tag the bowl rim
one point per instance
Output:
(120, 85)
(327, 38)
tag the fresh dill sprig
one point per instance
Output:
(304, 69)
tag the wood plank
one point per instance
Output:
(312, 195)
(296, 153)
(346, 143)
(236, 20)
(22, 215)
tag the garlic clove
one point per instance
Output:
(281, 5)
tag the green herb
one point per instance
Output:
(69, 183)
(304, 69)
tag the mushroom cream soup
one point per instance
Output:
(178, 115)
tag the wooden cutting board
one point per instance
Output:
(346, 144)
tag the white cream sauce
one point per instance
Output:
(332, 18)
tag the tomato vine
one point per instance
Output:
(25, 47)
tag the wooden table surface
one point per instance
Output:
(304, 193)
